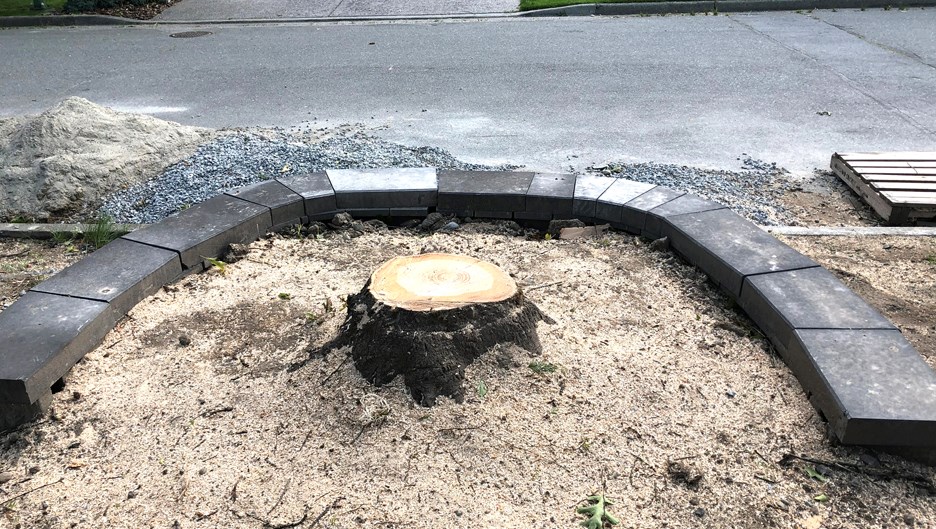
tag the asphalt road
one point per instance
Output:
(545, 93)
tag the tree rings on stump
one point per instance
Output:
(426, 317)
(435, 281)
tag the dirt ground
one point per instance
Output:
(824, 200)
(664, 398)
(897, 275)
(24, 263)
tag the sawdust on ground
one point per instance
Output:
(664, 398)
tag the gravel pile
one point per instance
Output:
(754, 192)
(243, 158)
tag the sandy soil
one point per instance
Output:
(664, 398)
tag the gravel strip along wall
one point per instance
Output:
(857, 369)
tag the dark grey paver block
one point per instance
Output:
(44, 335)
(534, 215)
(205, 229)
(317, 193)
(15, 413)
(811, 298)
(684, 205)
(481, 214)
(587, 190)
(468, 191)
(121, 273)
(462, 214)
(728, 247)
(871, 385)
(368, 213)
(286, 206)
(551, 193)
(634, 213)
(409, 212)
(321, 217)
(610, 204)
(395, 187)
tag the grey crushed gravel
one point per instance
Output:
(245, 157)
(754, 192)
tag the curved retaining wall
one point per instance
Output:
(857, 369)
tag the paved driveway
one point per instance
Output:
(190, 10)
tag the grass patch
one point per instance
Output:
(11, 8)
(527, 5)
(100, 232)
(63, 237)
(94, 235)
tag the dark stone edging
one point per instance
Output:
(855, 366)
(49, 230)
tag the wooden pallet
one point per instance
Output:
(900, 186)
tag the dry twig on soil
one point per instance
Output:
(14, 254)
(919, 480)
(270, 525)
(30, 491)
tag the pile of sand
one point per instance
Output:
(63, 162)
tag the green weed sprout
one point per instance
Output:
(217, 263)
(597, 512)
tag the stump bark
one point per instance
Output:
(427, 317)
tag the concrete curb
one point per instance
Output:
(734, 6)
(67, 20)
(852, 231)
(107, 20)
(856, 368)
(47, 231)
(716, 6)
(319, 20)
(637, 8)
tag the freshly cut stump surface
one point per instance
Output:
(426, 317)
(439, 281)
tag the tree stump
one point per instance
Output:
(426, 317)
